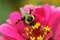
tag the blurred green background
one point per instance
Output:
(7, 6)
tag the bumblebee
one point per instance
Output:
(28, 17)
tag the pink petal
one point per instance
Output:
(54, 23)
(42, 14)
(2, 38)
(57, 9)
(14, 16)
(49, 35)
(39, 15)
(9, 21)
(53, 9)
(8, 30)
(58, 38)
(47, 11)
(28, 7)
(21, 26)
(57, 31)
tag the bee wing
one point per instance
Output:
(24, 13)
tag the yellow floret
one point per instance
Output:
(47, 28)
(32, 38)
(36, 26)
(40, 38)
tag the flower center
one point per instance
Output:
(37, 32)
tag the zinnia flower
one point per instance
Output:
(37, 23)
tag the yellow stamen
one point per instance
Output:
(40, 38)
(32, 38)
(45, 32)
(36, 26)
(47, 28)
(27, 29)
(30, 32)
(17, 21)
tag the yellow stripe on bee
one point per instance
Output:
(32, 38)
(36, 26)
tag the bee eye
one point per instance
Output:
(29, 18)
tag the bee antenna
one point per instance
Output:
(30, 10)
